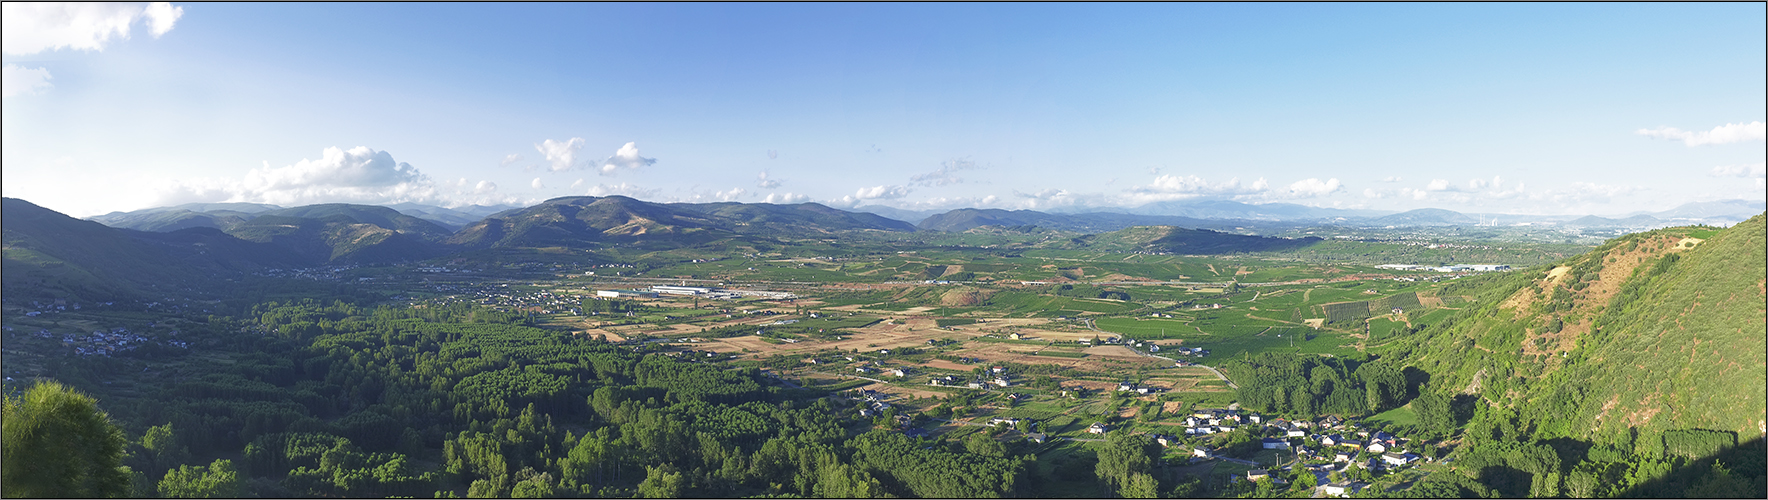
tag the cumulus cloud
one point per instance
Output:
(537, 184)
(31, 27)
(1391, 178)
(946, 175)
(511, 159)
(626, 158)
(1723, 134)
(881, 192)
(785, 198)
(1741, 170)
(872, 194)
(15, 80)
(621, 189)
(1309, 188)
(359, 175)
(484, 187)
(1439, 185)
(1191, 185)
(561, 155)
(765, 183)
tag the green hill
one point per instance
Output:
(1652, 332)
(51, 255)
(592, 221)
(378, 216)
(1186, 241)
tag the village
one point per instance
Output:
(1338, 452)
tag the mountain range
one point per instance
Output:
(760, 217)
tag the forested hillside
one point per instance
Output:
(1649, 348)
(341, 401)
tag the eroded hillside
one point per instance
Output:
(1655, 331)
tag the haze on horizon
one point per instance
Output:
(1497, 108)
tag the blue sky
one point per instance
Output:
(1511, 108)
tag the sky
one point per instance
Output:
(1523, 108)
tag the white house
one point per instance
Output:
(1398, 459)
(1274, 444)
(1203, 452)
(1098, 429)
(1344, 489)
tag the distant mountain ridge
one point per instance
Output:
(619, 219)
(1214, 214)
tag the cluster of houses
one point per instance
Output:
(1343, 443)
(1447, 269)
(1203, 422)
(1191, 351)
(999, 375)
(328, 273)
(1138, 389)
(104, 343)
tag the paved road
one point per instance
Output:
(1218, 373)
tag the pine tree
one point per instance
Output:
(57, 443)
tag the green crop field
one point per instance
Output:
(1397, 416)
(1382, 329)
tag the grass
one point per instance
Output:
(1061, 354)
(1397, 416)
(1227, 336)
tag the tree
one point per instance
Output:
(982, 444)
(661, 482)
(216, 480)
(1304, 480)
(1140, 485)
(1434, 412)
(1124, 456)
(164, 451)
(57, 443)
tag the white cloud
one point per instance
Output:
(946, 174)
(1476, 184)
(621, 189)
(1391, 178)
(485, 187)
(577, 184)
(1167, 187)
(1723, 134)
(627, 157)
(765, 183)
(510, 159)
(537, 184)
(1308, 188)
(561, 154)
(15, 80)
(1439, 185)
(785, 198)
(359, 175)
(29, 27)
(161, 16)
(1741, 170)
(872, 194)
(881, 193)
(730, 195)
